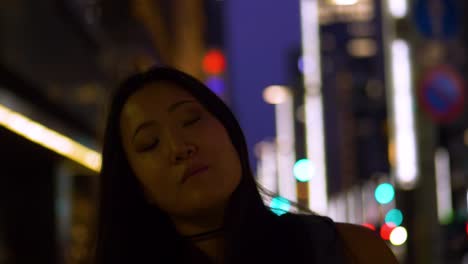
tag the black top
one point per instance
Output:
(291, 239)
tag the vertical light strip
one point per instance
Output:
(406, 166)
(341, 208)
(331, 211)
(267, 171)
(310, 29)
(443, 185)
(358, 212)
(285, 143)
(370, 205)
(350, 207)
(50, 139)
(467, 199)
(314, 125)
(316, 154)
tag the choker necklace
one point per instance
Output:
(205, 235)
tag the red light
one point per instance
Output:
(370, 226)
(466, 228)
(214, 62)
(386, 230)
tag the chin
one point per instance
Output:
(202, 205)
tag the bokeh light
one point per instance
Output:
(344, 2)
(303, 170)
(370, 226)
(398, 236)
(362, 47)
(275, 94)
(214, 62)
(386, 230)
(398, 8)
(394, 216)
(216, 84)
(280, 205)
(384, 193)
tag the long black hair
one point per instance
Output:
(129, 229)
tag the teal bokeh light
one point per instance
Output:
(384, 193)
(303, 170)
(394, 216)
(280, 205)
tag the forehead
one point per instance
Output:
(161, 93)
(154, 99)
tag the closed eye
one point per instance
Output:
(151, 146)
(191, 122)
(155, 143)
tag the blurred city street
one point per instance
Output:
(354, 109)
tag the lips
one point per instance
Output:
(193, 171)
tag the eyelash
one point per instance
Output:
(151, 146)
(191, 122)
(156, 142)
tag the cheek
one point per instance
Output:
(225, 155)
(230, 171)
(155, 180)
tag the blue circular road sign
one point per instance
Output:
(442, 94)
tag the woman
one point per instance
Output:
(176, 187)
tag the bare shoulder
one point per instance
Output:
(364, 246)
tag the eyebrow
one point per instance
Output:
(170, 109)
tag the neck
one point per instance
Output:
(196, 224)
(213, 248)
(211, 244)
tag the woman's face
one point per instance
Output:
(180, 153)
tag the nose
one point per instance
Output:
(184, 152)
